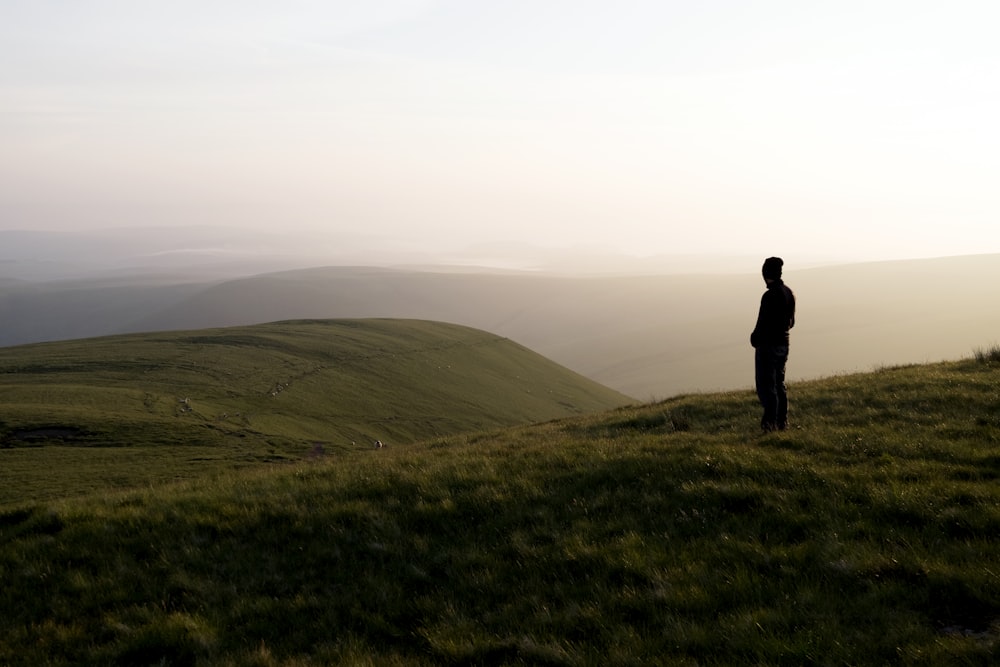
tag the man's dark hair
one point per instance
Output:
(772, 268)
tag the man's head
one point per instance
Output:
(772, 268)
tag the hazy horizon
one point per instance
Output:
(198, 253)
(469, 132)
(204, 251)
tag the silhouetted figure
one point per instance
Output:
(770, 342)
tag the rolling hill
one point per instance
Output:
(647, 336)
(671, 533)
(190, 401)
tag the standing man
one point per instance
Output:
(770, 342)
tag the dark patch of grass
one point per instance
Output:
(48, 433)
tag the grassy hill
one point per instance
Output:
(147, 408)
(671, 533)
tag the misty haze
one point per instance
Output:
(599, 183)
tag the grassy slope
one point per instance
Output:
(148, 408)
(670, 533)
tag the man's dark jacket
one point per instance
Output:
(776, 316)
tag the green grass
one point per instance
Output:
(140, 410)
(671, 533)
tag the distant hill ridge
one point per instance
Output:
(647, 336)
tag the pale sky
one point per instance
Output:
(841, 128)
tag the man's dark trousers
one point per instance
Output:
(769, 361)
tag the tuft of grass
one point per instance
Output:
(986, 355)
(863, 535)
